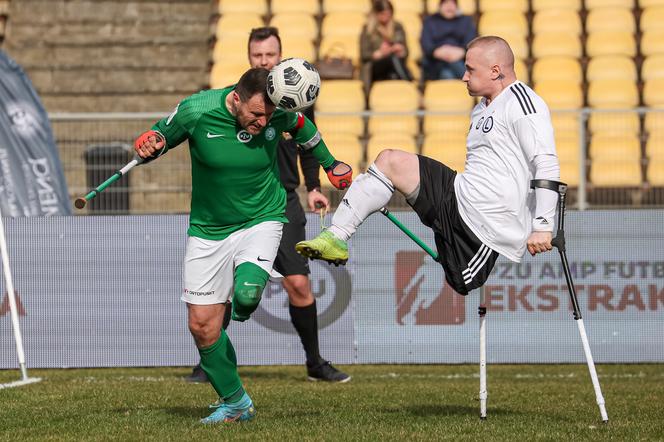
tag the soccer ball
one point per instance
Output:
(293, 84)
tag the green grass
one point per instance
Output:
(382, 402)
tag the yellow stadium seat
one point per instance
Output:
(613, 94)
(652, 19)
(467, 7)
(388, 124)
(557, 20)
(237, 25)
(607, 147)
(408, 6)
(623, 123)
(611, 67)
(652, 67)
(567, 150)
(226, 74)
(654, 122)
(242, 6)
(333, 6)
(647, 3)
(452, 125)
(449, 150)
(557, 68)
(298, 47)
(655, 147)
(611, 43)
(295, 25)
(231, 50)
(554, 44)
(397, 141)
(344, 45)
(655, 173)
(341, 96)
(521, 70)
(342, 24)
(565, 122)
(412, 25)
(610, 19)
(596, 4)
(504, 5)
(414, 50)
(346, 148)
(560, 94)
(501, 22)
(447, 95)
(394, 96)
(570, 173)
(652, 43)
(311, 7)
(340, 124)
(414, 68)
(615, 174)
(518, 43)
(541, 5)
(653, 92)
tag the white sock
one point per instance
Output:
(369, 192)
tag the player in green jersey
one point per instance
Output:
(237, 213)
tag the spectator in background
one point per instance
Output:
(445, 35)
(383, 47)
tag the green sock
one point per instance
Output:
(218, 361)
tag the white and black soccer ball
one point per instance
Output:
(293, 84)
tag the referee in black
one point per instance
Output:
(264, 50)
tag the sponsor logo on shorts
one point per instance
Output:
(270, 133)
(243, 136)
(195, 293)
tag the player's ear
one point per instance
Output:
(496, 73)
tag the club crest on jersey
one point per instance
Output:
(270, 133)
(488, 125)
(243, 136)
(479, 123)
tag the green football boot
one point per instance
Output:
(326, 247)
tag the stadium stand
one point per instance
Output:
(311, 7)
(543, 5)
(334, 6)
(448, 149)
(259, 7)
(338, 96)
(394, 96)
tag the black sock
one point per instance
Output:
(305, 321)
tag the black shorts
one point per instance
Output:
(466, 260)
(288, 261)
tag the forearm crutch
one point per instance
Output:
(559, 243)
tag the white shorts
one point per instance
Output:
(209, 265)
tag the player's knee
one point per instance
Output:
(204, 333)
(250, 280)
(390, 160)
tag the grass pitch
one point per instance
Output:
(382, 402)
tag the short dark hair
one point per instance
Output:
(260, 34)
(253, 82)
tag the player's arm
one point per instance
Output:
(535, 135)
(307, 136)
(165, 134)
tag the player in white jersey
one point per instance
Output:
(483, 211)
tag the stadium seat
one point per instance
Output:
(447, 95)
(504, 5)
(611, 67)
(655, 147)
(615, 173)
(448, 149)
(242, 6)
(414, 49)
(334, 6)
(237, 25)
(343, 24)
(610, 19)
(503, 22)
(341, 96)
(380, 142)
(596, 4)
(653, 92)
(311, 7)
(647, 3)
(655, 173)
(557, 20)
(570, 173)
(560, 94)
(607, 147)
(653, 67)
(554, 44)
(412, 25)
(408, 7)
(542, 5)
(567, 122)
(340, 45)
(613, 94)
(567, 150)
(518, 43)
(611, 43)
(654, 122)
(298, 47)
(557, 68)
(225, 74)
(652, 43)
(298, 25)
(521, 70)
(622, 123)
(652, 19)
(231, 50)
(345, 147)
(340, 125)
(467, 7)
(448, 124)
(394, 96)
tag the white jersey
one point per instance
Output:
(503, 140)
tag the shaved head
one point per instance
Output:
(489, 67)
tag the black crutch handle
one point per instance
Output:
(556, 186)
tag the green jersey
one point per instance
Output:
(235, 175)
